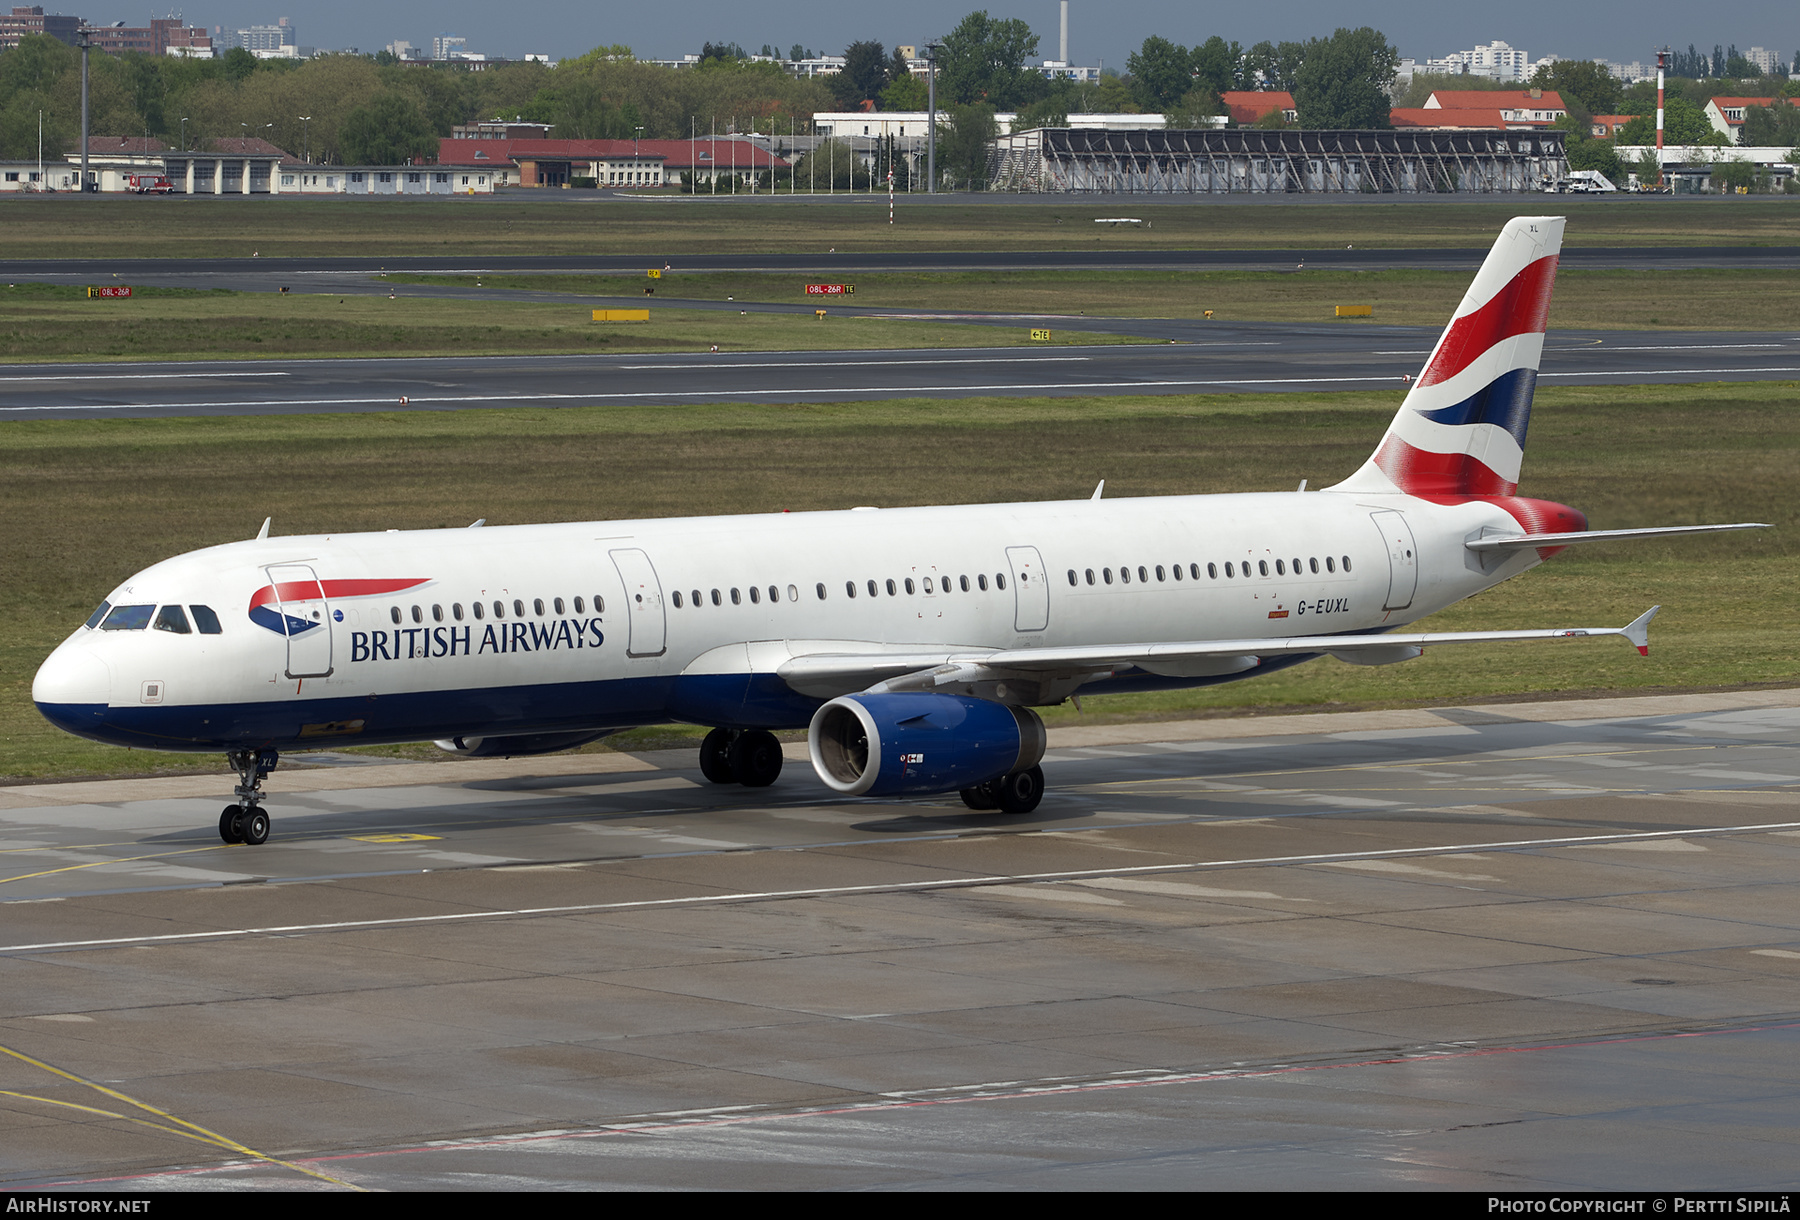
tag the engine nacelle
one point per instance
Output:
(521, 746)
(919, 743)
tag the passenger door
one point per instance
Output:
(1403, 558)
(643, 604)
(306, 615)
(1031, 589)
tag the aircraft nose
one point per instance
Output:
(72, 687)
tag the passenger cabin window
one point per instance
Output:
(822, 591)
(579, 610)
(418, 615)
(477, 608)
(755, 596)
(849, 589)
(127, 618)
(170, 618)
(736, 599)
(437, 614)
(678, 599)
(537, 607)
(499, 609)
(518, 608)
(206, 620)
(558, 603)
(394, 613)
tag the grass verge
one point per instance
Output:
(1697, 299)
(87, 504)
(581, 223)
(40, 323)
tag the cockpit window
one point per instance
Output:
(96, 616)
(170, 618)
(127, 618)
(206, 620)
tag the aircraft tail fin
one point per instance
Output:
(1461, 430)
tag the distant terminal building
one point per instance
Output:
(32, 19)
(1249, 161)
(163, 36)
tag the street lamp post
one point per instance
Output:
(637, 133)
(307, 154)
(184, 124)
(931, 53)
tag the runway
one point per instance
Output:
(1509, 947)
(268, 274)
(1199, 359)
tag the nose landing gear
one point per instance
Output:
(245, 822)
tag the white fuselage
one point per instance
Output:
(610, 624)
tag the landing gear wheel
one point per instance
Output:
(755, 758)
(1021, 791)
(715, 757)
(982, 796)
(229, 829)
(254, 826)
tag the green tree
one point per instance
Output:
(238, 63)
(1195, 109)
(1683, 123)
(1591, 85)
(1771, 126)
(388, 130)
(905, 93)
(1274, 64)
(864, 75)
(1161, 72)
(1045, 112)
(984, 60)
(1111, 96)
(1345, 79)
(963, 144)
(1217, 64)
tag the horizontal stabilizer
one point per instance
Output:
(1522, 542)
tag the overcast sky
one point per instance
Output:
(1097, 32)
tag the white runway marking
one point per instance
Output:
(899, 887)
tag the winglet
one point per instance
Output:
(1098, 488)
(1638, 631)
(263, 533)
(475, 525)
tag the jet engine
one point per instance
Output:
(522, 746)
(920, 743)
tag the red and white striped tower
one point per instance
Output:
(1662, 62)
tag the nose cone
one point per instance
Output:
(72, 688)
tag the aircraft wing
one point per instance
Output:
(846, 673)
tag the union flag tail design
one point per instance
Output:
(1461, 431)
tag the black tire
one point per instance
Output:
(229, 829)
(1021, 791)
(255, 825)
(715, 757)
(982, 797)
(755, 758)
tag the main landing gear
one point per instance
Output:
(245, 822)
(1019, 792)
(750, 757)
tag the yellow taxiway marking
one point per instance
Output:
(394, 838)
(181, 1126)
(71, 868)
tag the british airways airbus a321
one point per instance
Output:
(912, 644)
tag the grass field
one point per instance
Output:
(86, 504)
(581, 223)
(45, 323)
(58, 323)
(1724, 299)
